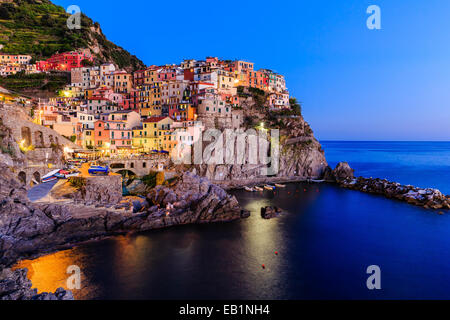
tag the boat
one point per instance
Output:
(49, 179)
(259, 189)
(280, 185)
(75, 174)
(249, 189)
(268, 187)
(317, 181)
(50, 174)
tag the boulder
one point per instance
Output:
(270, 212)
(343, 172)
(14, 285)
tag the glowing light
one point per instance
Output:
(68, 150)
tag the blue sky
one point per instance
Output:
(354, 83)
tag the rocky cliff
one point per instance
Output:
(301, 155)
(27, 228)
(26, 148)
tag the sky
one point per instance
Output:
(354, 83)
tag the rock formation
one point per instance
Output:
(100, 190)
(301, 155)
(44, 146)
(270, 212)
(427, 198)
(342, 172)
(27, 229)
(14, 285)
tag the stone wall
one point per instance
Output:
(100, 190)
(46, 154)
(15, 117)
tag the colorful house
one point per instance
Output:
(65, 61)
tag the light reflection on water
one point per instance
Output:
(326, 238)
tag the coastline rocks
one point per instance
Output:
(14, 285)
(270, 212)
(427, 198)
(101, 190)
(300, 157)
(245, 214)
(194, 200)
(27, 229)
(342, 172)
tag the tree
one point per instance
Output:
(296, 106)
(87, 63)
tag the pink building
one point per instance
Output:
(65, 61)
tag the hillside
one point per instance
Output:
(38, 27)
(38, 85)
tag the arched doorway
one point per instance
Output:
(39, 138)
(117, 166)
(37, 177)
(22, 177)
(128, 176)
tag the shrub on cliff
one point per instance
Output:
(296, 106)
(150, 179)
(77, 182)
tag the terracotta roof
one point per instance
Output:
(155, 119)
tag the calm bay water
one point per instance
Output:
(325, 241)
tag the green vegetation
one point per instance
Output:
(7, 150)
(42, 81)
(171, 181)
(72, 138)
(296, 106)
(77, 182)
(150, 179)
(39, 28)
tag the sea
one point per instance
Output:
(325, 245)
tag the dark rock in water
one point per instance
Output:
(270, 212)
(328, 175)
(60, 294)
(343, 172)
(245, 214)
(14, 285)
(427, 198)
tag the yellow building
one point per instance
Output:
(87, 138)
(166, 140)
(225, 80)
(155, 132)
(151, 75)
(150, 100)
